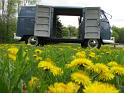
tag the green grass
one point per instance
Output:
(14, 74)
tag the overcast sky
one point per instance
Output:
(113, 7)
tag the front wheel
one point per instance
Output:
(92, 43)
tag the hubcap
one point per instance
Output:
(33, 40)
(93, 43)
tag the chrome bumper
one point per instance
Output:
(111, 41)
(17, 37)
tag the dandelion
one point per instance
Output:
(72, 87)
(57, 88)
(12, 53)
(51, 67)
(92, 54)
(34, 55)
(106, 76)
(38, 51)
(56, 71)
(34, 82)
(99, 87)
(80, 62)
(112, 63)
(13, 50)
(117, 70)
(63, 88)
(81, 78)
(81, 54)
(38, 58)
(45, 65)
(99, 68)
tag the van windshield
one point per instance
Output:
(102, 15)
(105, 15)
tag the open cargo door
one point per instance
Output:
(92, 19)
(42, 21)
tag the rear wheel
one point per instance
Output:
(94, 43)
(33, 40)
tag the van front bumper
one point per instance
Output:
(111, 41)
(17, 37)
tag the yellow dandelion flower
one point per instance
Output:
(81, 62)
(38, 58)
(117, 70)
(81, 78)
(81, 54)
(92, 54)
(106, 76)
(56, 71)
(13, 57)
(51, 67)
(34, 55)
(34, 82)
(45, 65)
(72, 87)
(13, 50)
(99, 68)
(63, 88)
(57, 88)
(123, 49)
(38, 51)
(12, 53)
(113, 63)
(99, 87)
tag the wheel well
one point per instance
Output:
(101, 41)
(25, 37)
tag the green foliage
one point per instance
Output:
(0, 5)
(8, 18)
(59, 28)
(70, 31)
(13, 74)
(118, 33)
(66, 32)
(8, 21)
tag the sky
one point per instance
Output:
(113, 7)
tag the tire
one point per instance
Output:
(26, 41)
(33, 40)
(84, 44)
(91, 43)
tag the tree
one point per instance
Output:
(66, 32)
(10, 15)
(59, 28)
(118, 33)
(70, 31)
(8, 18)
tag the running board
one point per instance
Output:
(108, 41)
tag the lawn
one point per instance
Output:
(61, 68)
